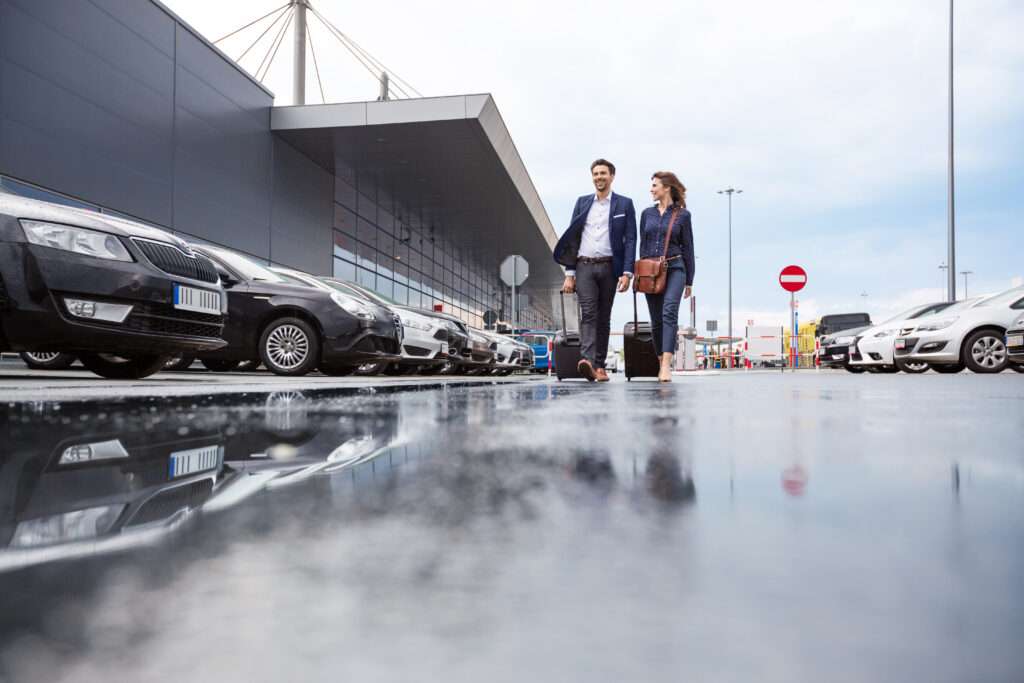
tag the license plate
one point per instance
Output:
(901, 344)
(196, 299)
(1015, 340)
(852, 350)
(444, 348)
(184, 463)
(837, 356)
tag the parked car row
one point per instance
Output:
(128, 300)
(984, 334)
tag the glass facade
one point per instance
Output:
(383, 244)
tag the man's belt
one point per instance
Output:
(593, 259)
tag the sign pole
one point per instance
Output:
(792, 329)
(515, 303)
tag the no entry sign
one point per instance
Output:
(793, 278)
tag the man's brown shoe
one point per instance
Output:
(586, 369)
(602, 375)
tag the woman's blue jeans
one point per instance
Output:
(664, 309)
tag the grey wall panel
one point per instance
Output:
(87, 107)
(194, 56)
(303, 211)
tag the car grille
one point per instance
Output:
(163, 319)
(166, 503)
(173, 261)
(399, 330)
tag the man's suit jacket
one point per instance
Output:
(621, 232)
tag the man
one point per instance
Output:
(598, 251)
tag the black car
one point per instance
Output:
(1015, 345)
(119, 295)
(835, 350)
(293, 329)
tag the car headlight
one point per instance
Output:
(416, 322)
(884, 333)
(844, 341)
(78, 240)
(936, 325)
(77, 525)
(353, 306)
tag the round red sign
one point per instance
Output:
(793, 278)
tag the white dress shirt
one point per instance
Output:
(596, 241)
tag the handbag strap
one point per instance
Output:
(668, 233)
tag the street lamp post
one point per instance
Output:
(965, 273)
(950, 204)
(730, 192)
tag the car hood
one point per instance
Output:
(852, 332)
(33, 209)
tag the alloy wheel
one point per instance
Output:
(42, 356)
(989, 352)
(287, 346)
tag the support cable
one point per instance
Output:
(345, 41)
(280, 39)
(256, 21)
(316, 67)
(265, 32)
(373, 60)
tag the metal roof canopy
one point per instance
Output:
(450, 158)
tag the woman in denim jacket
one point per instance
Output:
(670, 197)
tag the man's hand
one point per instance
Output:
(569, 286)
(623, 283)
(686, 292)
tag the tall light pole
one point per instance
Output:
(299, 61)
(950, 204)
(730, 192)
(965, 273)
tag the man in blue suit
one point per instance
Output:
(598, 251)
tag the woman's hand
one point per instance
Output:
(687, 292)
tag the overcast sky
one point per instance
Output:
(830, 116)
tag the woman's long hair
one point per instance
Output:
(669, 180)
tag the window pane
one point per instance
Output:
(366, 254)
(401, 294)
(366, 278)
(344, 219)
(343, 246)
(343, 270)
(385, 287)
(367, 231)
(344, 193)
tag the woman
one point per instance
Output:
(670, 200)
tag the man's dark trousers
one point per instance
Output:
(595, 287)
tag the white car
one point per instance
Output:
(874, 345)
(972, 337)
(611, 363)
(508, 353)
(425, 338)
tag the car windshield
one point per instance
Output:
(1004, 299)
(349, 288)
(304, 279)
(244, 266)
(917, 312)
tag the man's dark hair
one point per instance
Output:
(603, 162)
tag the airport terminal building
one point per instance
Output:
(122, 107)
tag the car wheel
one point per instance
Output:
(449, 368)
(219, 365)
(367, 369)
(985, 352)
(179, 361)
(855, 369)
(123, 367)
(53, 360)
(250, 365)
(947, 368)
(912, 367)
(290, 346)
(338, 370)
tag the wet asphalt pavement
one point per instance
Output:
(816, 527)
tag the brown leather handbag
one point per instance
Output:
(650, 274)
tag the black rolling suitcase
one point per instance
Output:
(567, 350)
(638, 348)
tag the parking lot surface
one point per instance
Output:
(746, 526)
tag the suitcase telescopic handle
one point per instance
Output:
(561, 296)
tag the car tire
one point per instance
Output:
(449, 368)
(338, 370)
(219, 365)
(947, 368)
(290, 347)
(47, 360)
(123, 367)
(179, 361)
(250, 365)
(855, 369)
(984, 351)
(911, 367)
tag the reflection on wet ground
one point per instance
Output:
(761, 527)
